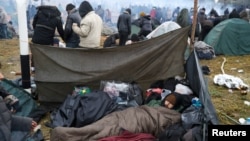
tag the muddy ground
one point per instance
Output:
(229, 104)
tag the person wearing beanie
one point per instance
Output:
(146, 25)
(142, 14)
(124, 26)
(170, 101)
(72, 39)
(90, 27)
(177, 101)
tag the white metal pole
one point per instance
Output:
(23, 42)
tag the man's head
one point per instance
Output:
(134, 38)
(69, 7)
(169, 101)
(142, 14)
(128, 10)
(85, 8)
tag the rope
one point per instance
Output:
(229, 117)
(222, 65)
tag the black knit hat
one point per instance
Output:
(70, 7)
(85, 8)
(128, 10)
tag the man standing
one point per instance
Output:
(124, 26)
(71, 39)
(99, 11)
(46, 21)
(90, 29)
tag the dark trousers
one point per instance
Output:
(144, 33)
(3, 31)
(123, 37)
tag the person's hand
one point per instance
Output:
(12, 103)
(1, 76)
(33, 125)
(74, 24)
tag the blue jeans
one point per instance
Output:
(3, 31)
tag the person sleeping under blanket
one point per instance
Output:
(173, 100)
(141, 119)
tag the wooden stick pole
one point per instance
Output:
(194, 25)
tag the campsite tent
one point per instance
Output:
(163, 28)
(230, 37)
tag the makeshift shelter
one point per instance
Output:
(58, 70)
(230, 37)
(163, 28)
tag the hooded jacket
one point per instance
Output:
(146, 23)
(46, 21)
(124, 22)
(90, 27)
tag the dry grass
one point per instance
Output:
(229, 106)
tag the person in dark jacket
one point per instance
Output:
(183, 19)
(71, 39)
(124, 26)
(10, 123)
(145, 25)
(45, 23)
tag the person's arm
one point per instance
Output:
(35, 20)
(129, 25)
(60, 27)
(83, 30)
(118, 22)
(3, 92)
(68, 28)
(19, 123)
(1, 76)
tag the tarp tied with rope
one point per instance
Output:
(58, 70)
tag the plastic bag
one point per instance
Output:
(192, 116)
(122, 92)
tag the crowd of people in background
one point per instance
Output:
(82, 27)
(7, 31)
(68, 23)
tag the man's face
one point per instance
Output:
(168, 105)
